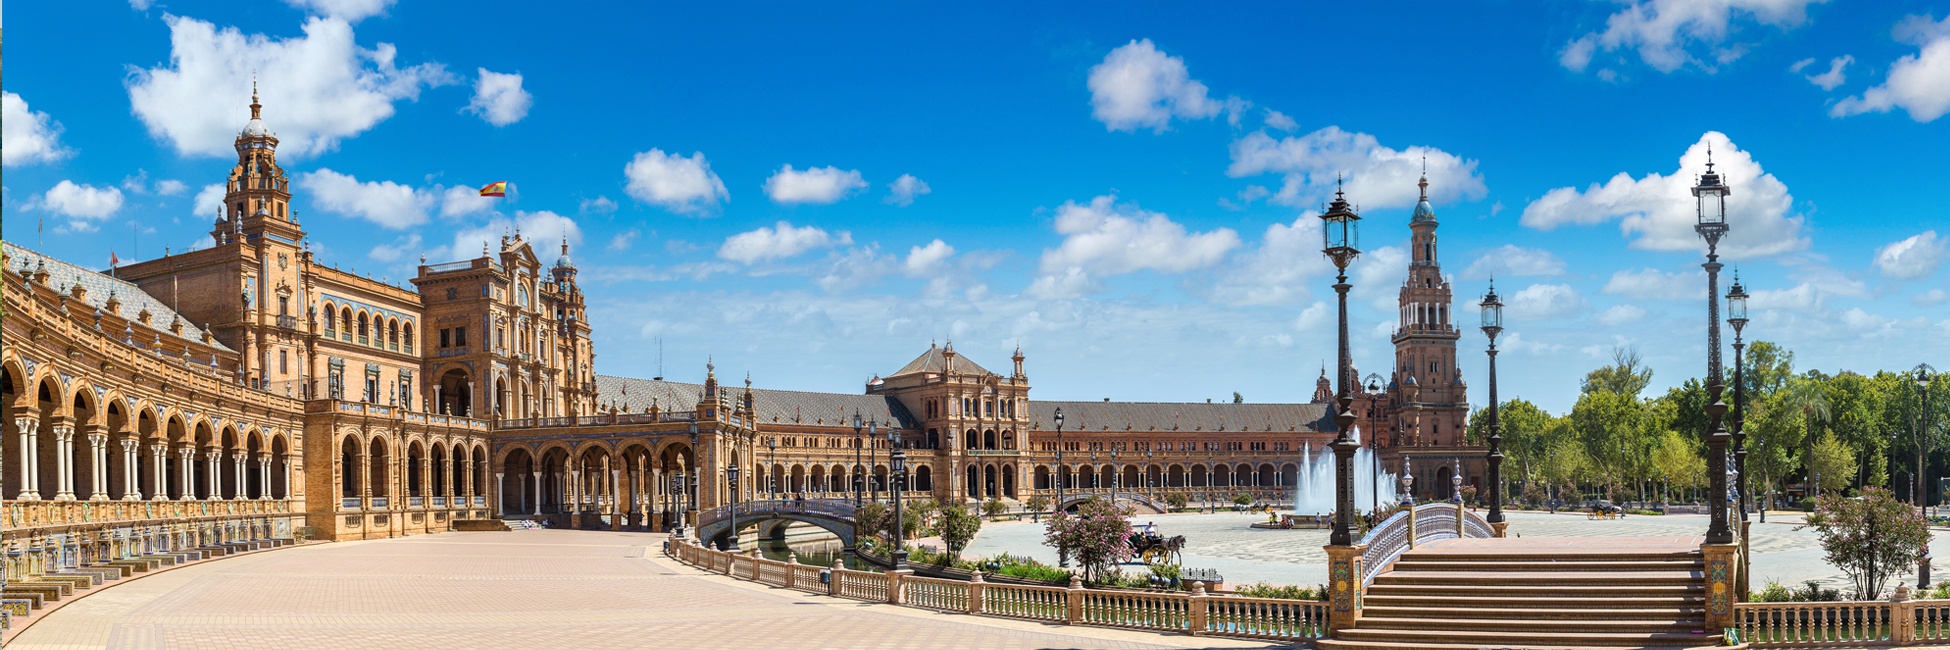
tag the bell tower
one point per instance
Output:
(257, 195)
(1434, 406)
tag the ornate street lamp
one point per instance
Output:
(678, 499)
(897, 465)
(1492, 326)
(1711, 195)
(1340, 242)
(1059, 466)
(1455, 486)
(872, 487)
(1737, 317)
(1924, 375)
(731, 478)
(856, 459)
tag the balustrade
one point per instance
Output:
(1142, 610)
(934, 593)
(1266, 618)
(862, 585)
(1021, 601)
(1819, 624)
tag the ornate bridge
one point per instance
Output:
(1136, 501)
(834, 515)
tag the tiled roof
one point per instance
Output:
(828, 409)
(1188, 417)
(62, 275)
(935, 361)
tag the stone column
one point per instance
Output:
(1344, 588)
(98, 459)
(499, 495)
(365, 476)
(64, 462)
(289, 459)
(615, 500)
(30, 473)
(575, 497)
(453, 491)
(131, 471)
(264, 475)
(536, 478)
(183, 473)
(426, 479)
(158, 466)
(212, 459)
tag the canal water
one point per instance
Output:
(812, 549)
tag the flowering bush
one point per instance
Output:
(1098, 535)
(1871, 538)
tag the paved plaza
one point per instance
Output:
(522, 589)
(1225, 542)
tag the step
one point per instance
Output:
(1503, 639)
(1551, 578)
(1561, 611)
(1343, 644)
(1539, 590)
(1539, 625)
(1508, 565)
(1476, 599)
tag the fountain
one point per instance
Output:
(1314, 491)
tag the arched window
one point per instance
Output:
(362, 324)
(331, 317)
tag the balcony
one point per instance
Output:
(349, 503)
(379, 503)
(416, 502)
(439, 502)
(288, 322)
(452, 352)
(331, 333)
(480, 500)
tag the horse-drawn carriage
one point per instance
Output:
(1154, 548)
(1603, 509)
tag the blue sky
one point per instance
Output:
(1129, 191)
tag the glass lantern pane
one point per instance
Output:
(1712, 208)
(1737, 307)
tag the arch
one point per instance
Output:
(416, 456)
(12, 381)
(392, 334)
(971, 439)
(406, 334)
(988, 439)
(518, 468)
(331, 318)
(1289, 474)
(1175, 476)
(500, 397)
(227, 450)
(923, 479)
(1446, 491)
(1267, 477)
(349, 468)
(362, 327)
(345, 322)
(455, 393)
(1009, 481)
(280, 467)
(1041, 480)
(1008, 438)
(379, 475)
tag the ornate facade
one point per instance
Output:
(247, 390)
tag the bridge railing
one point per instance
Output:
(1410, 528)
(1196, 612)
(835, 508)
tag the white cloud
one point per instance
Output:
(140, 5)
(317, 89)
(855, 268)
(351, 11)
(678, 184)
(812, 185)
(386, 203)
(499, 98)
(925, 260)
(171, 187)
(1659, 212)
(392, 252)
(1652, 284)
(1375, 176)
(1835, 76)
(80, 202)
(1672, 34)
(1928, 298)
(30, 136)
(598, 205)
(1918, 83)
(779, 242)
(461, 200)
(1273, 273)
(1511, 260)
(1280, 121)
(1138, 86)
(543, 230)
(1622, 315)
(622, 240)
(209, 200)
(1103, 238)
(902, 191)
(1546, 301)
(1914, 258)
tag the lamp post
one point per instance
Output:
(731, 479)
(1737, 317)
(856, 459)
(677, 500)
(1923, 379)
(771, 482)
(1116, 474)
(1711, 195)
(1455, 485)
(1340, 242)
(897, 466)
(872, 487)
(1059, 469)
(691, 495)
(1148, 476)
(1493, 325)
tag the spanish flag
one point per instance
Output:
(497, 188)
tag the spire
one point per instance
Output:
(255, 107)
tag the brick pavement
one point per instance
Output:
(522, 589)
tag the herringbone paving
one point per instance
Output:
(523, 589)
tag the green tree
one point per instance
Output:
(1237, 399)
(1773, 436)
(1803, 395)
(1609, 425)
(1564, 465)
(958, 528)
(1855, 404)
(1676, 461)
(873, 519)
(1627, 375)
(1767, 369)
(1834, 463)
(1872, 539)
(994, 507)
(1097, 535)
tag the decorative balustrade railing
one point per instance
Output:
(1195, 612)
(596, 420)
(1850, 624)
(836, 508)
(1409, 528)
(33, 514)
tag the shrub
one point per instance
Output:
(1288, 592)
(1176, 500)
(1774, 592)
(994, 507)
(1036, 572)
(958, 527)
(1871, 539)
(1242, 499)
(1097, 535)
(1038, 503)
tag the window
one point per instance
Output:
(452, 293)
(284, 306)
(283, 357)
(443, 338)
(460, 337)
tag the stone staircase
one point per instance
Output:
(1537, 593)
